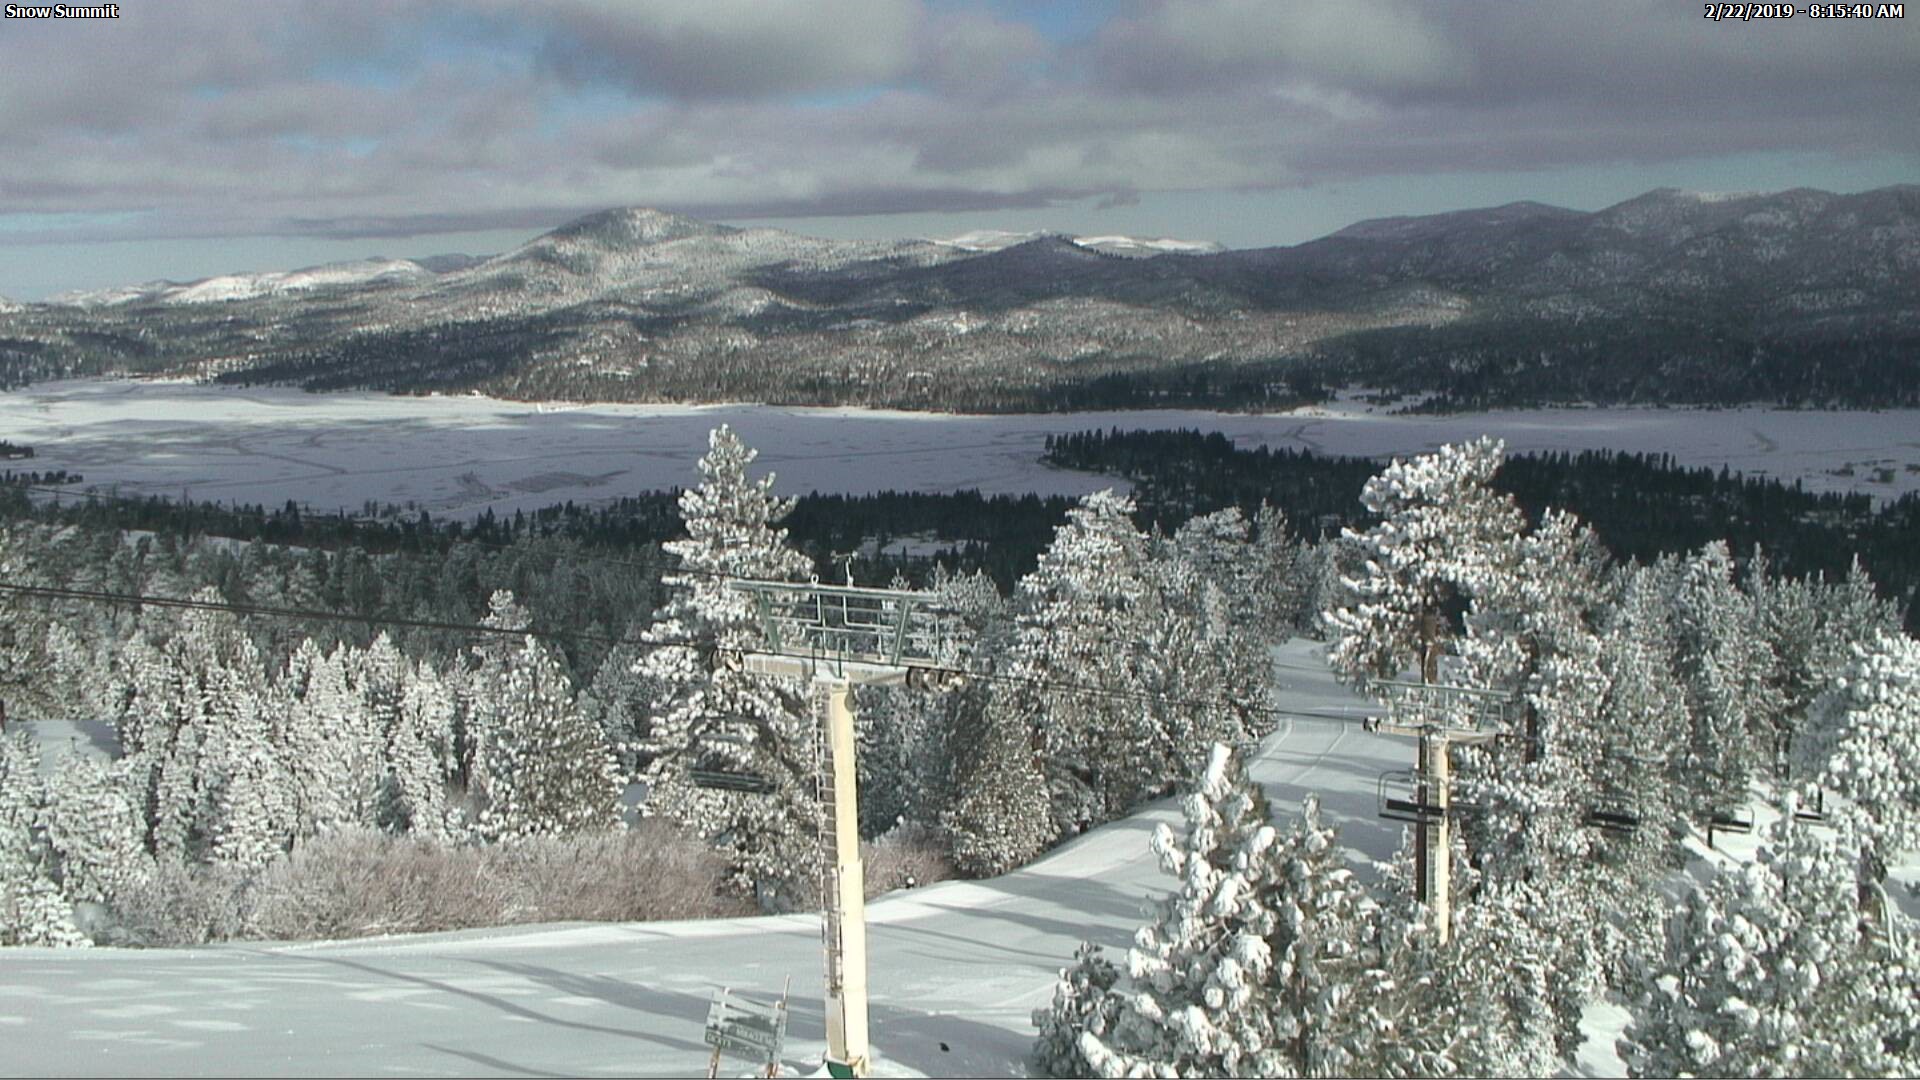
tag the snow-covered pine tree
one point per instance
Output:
(1863, 744)
(620, 700)
(1083, 619)
(543, 769)
(1324, 947)
(95, 831)
(32, 910)
(412, 710)
(1644, 721)
(1530, 630)
(1444, 534)
(1001, 817)
(255, 815)
(1770, 969)
(1198, 999)
(1083, 1004)
(322, 739)
(1207, 675)
(1219, 548)
(1721, 663)
(1277, 565)
(710, 715)
(197, 701)
(1851, 613)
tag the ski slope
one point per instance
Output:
(956, 967)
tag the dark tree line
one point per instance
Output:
(1642, 505)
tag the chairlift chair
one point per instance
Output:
(1612, 818)
(726, 776)
(1401, 799)
(1734, 821)
(1611, 809)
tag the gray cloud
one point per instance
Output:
(348, 120)
(727, 48)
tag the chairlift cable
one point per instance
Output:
(109, 598)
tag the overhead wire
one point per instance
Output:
(101, 596)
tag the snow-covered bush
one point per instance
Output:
(1774, 968)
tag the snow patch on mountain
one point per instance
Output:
(243, 286)
(226, 287)
(985, 240)
(1134, 245)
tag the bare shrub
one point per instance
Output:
(181, 904)
(905, 857)
(651, 871)
(357, 883)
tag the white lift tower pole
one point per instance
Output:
(1439, 716)
(836, 637)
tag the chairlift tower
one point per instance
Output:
(1438, 716)
(835, 637)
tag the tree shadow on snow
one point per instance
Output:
(629, 996)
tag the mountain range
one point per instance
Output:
(1799, 297)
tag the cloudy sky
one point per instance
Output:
(188, 138)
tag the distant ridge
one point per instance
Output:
(1801, 297)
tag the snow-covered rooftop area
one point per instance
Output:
(457, 456)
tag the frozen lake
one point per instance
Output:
(456, 456)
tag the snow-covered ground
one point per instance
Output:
(456, 456)
(956, 968)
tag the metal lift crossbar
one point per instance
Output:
(888, 627)
(1467, 714)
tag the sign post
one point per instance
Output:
(745, 1028)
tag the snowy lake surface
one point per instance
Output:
(456, 456)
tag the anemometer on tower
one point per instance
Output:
(834, 637)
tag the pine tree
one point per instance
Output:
(1721, 664)
(94, 830)
(415, 710)
(198, 713)
(1200, 1001)
(1644, 721)
(32, 910)
(1264, 962)
(545, 769)
(1444, 535)
(711, 715)
(1077, 658)
(1083, 1005)
(620, 700)
(1323, 950)
(1770, 969)
(1864, 745)
(1000, 818)
(1277, 564)
(323, 740)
